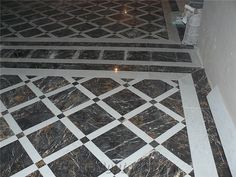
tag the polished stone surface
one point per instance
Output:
(68, 98)
(91, 118)
(124, 101)
(17, 96)
(149, 87)
(153, 121)
(35, 174)
(13, 158)
(79, 162)
(32, 115)
(51, 138)
(8, 80)
(154, 165)
(48, 84)
(5, 130)
(122, 144)
(99, 86)
(174, 103)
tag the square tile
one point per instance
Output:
(84, 140)
(139, 55)
(113, 55)
(174, 103)
(178, 144)
(99, 86)
(153, 121)
(50, 83)
(122, 119)
(13, 158)
(124, 101)
(75, 83)
(89, 54)
(154, 164)
(5, 112)
(17, 96)
(60, 116)
(96, 99)
(91, 118)
(32, 115)
(42, 97)
(115, 170)
(152, 88)
(119, 143)
(51, 138)
(40, 164)
(153, 101)
(5, 130)
(9, 80)
(73, 164)
(68, 99)
(154, 144)
(20, 135)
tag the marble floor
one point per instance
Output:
(101, 89)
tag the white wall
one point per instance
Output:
(217, 47)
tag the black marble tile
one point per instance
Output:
(132, 33)
(119, 143)
(102, 21)
(153, 121)
(89, 54)
(50, 83)
(179, 145)
(63, 32)
(113, 55)
(91, 118)
(116, 27)
(150, 27)
(83, 27)
(174, 103)
(152, 88)
(71, 21)
(154, 165)
(203, 88)
(68, 99)
(139, 55)
(13, 159)
(79, 162)
(52, 27)
(41, 53)
(20, 53)
(31, 32)
(97, 33)
(17, 96)
(5, 130)
(9, 80)
(124, 101)
(62, 54)
(6, 53)
(32, 115)
(171, 56)
(51, 138)
(99, 86)
(35, 174)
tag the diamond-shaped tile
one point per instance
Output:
(9, 80)
(50, 83)
(124, 101)
(79, 161)
(150, 27)
(174, 103)
(97, 33)
(31, 32)
(52, 27)
(22, 27)
(119, 17)
(132, 33)
(79, 12)
(32, 115)
(106, 12)
(119, 143)
(63, 33)
(91, 118)
(116, 27)
(42, 21)
(90, 16)
(148, 17)
(61, 17)
(13, 159)
(51, 138)
(68, 99)
(40, 164)
(134, 22)
(99, 86)
(154, 164)
(5, 130)
(17, 96)
(83, 27)
(152, 88)
(153, 121)
(102, 21)
(179, 145)
(115, 170)
(71, 21)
